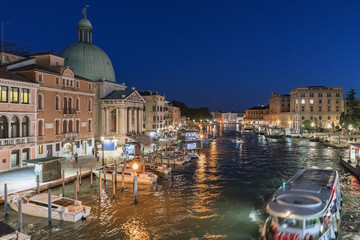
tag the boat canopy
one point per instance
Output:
(305, 196)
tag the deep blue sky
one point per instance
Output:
(222, 54)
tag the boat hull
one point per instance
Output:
(127, 179)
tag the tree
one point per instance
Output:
(192, 113)
(307, 125)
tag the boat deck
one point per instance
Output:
(305, 195)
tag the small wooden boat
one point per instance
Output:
(64, 209)
(192, 155)
(9, 233)
(143, 177)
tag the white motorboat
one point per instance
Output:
(9, 233)
(308, 206)
(143, 177)
(64, 209)
(180, 154)
(164, 169)
(192, 155)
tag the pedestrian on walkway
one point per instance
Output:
(97, 155)
(73, 157)
(93, 151)
(76, 157)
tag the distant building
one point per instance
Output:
(348, 109)
(172, 115)
(154, 111)
(322, 106)
(225, 117)
(240, 117)
(255, 115)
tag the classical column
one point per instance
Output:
(123, 120)
(136, 120)
(106, 120)
(117, 121)
(141, 120)
(129, 128)
(102, 127)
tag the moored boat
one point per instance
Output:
(143, 177)
(64, 209)
(306, 207)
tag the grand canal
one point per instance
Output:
(219, 196)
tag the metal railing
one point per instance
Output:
(70, 135)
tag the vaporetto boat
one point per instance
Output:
(306, 207)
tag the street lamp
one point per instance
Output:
(312, 126)
(201, 137)
(102, 148)
(135, 166)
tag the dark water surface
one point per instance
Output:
(219, 196)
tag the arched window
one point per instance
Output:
(70, 105)
(90, 105)
(57, 127)
(70, 126)
(77, 126)
(15, 127)
(40, 128)
(25, 126)
(77, 104)
(57, 103)
(89, 125)
(41, 102)
(4, 127)
(65, 126)
(65, 105)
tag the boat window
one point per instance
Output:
(290, 223)
(311, 223)
(128, 174)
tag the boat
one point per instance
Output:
(192, 155)
(9, 233)
(274, 133)
(143, 177)
(248, 128)
(308, 206)
(64, 209)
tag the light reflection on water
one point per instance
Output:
(219, 196)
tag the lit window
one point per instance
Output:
(302, 101)
(311, 101)
(41, 149)
(14, 95)
(25, 95)
(4, 94)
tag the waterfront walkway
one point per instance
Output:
(24, 178)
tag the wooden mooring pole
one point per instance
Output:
(100, 185)
(49, 206)
(113, 183)
(75, 190)
(91, 177)
(63, 183)
(6, 206)
(80, 175)
(20, 214)
(135, 189)
(37, 184)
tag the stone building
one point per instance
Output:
(318, 104)
(18, 119)
(255, 115)
(154, 111)
(172, 115)
(118, 111)
(279, 111)
(65, 106)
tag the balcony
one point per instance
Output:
(70, 135)
(17, 141)
(69, 111)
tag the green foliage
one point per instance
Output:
(192, 113)
(307, 124)
(353, 116)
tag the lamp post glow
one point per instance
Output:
(312, 125)
(135, 166)
(201, 137)
(102, 148)
(350, 128)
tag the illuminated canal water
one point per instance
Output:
(219, 196)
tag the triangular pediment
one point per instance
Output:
(135, 97)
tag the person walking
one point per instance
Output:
(93, 151)
(76, 157)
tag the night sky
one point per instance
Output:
(227, 55)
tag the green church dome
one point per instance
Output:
(86, 59)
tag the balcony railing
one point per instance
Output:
(69, 111)
(17, 141)
(70, 135)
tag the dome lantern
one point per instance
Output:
(84, 28)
